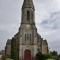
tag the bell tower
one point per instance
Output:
(28, 32)
(28, 12)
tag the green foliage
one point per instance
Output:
(48, 56)
(5, 57)
(14, 51)
(54, 53)
(58, 58)
(40, 56)
(59, 55)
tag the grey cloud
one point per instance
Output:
(55, 45)
(9, 19)
(53, 22)
(9, 11)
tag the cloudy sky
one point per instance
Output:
(47, 18)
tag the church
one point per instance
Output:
(30, 42)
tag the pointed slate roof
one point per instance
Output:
(28, 3)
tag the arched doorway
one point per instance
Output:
(27, 54)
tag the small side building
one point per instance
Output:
(8, 47)
(2, 53)
(44, 47)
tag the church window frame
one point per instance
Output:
(28, 37)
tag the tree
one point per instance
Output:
(58, 58)
(5, 57)
(40, 56)
(54, 53)
(14, 51)
(48, 55)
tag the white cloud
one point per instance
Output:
(58, 3)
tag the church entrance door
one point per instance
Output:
(27, 55)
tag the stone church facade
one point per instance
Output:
(29, 41)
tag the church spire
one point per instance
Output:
(28, 3)
(28, 12)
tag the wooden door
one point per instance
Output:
(27, 55)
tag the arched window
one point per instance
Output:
(28, 15)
